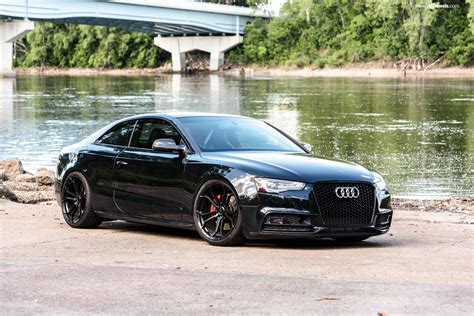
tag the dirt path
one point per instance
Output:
(424, 266)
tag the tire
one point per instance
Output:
(351, 239)
(217, 214)
(76, 204)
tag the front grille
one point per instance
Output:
(345, 211)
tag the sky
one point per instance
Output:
(275, 5)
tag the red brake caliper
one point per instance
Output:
(213, 209)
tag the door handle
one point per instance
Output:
(121, 163)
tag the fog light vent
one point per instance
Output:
(287, 222)
(283, 220)
(383, 218)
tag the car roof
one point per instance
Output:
(176, 115)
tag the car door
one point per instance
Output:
(149, 183)
(100, 163)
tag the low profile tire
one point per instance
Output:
(76, 202)
(217, 214)
(351, 239)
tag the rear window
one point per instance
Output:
(119, 135)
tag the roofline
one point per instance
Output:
(177, 115)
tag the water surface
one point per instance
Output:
(417, 132)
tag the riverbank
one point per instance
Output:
(367, 70)
(361, 70)
(19, 185)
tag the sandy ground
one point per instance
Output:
(423, 266)
(371, 70)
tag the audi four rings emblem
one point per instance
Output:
(347, 192)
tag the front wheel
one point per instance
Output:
(217, 214)
(76, 203)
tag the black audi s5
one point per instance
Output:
(231, 178)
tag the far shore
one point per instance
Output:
(363, 71)
(349, 71)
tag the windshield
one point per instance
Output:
(222, 133)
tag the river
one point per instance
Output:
(416, 132)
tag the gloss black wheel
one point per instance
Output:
(76, 204)
(217, 214)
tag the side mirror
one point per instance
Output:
(307, 147)
(168, 145)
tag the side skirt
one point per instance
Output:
(146, 220)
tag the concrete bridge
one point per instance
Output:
(179, 26)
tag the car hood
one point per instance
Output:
(291, 166)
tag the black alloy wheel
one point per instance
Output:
(76, 204)
(217, 214)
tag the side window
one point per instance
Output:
(150, 130)
(118, 135)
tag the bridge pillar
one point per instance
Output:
(215, 45)
(9, 33)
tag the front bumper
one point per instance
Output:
(254, 230)
(295, 215)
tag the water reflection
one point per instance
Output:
(417, 132)
(7, 92)
(209, 93)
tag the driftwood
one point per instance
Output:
(434, 63)
(419, 64)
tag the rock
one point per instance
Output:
(11, 168)
(3, 177)
(30, 192)
(25, 178)
(44, 177)
(197, 61)
(6, 193)
(35, 197)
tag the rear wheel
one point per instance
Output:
(76, 203)
(217, 214)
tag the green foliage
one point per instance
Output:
(462, 52)
(65, 45)
(335, 32)
(310, 32)
(471, 14)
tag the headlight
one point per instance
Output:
(277, 186)
(379, 181)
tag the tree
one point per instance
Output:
(334, 32)
(65, 45)
(410, 33)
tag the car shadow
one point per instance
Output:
(326, 243)
(150, 229)
(311, 244)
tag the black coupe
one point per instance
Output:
(231, 178)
